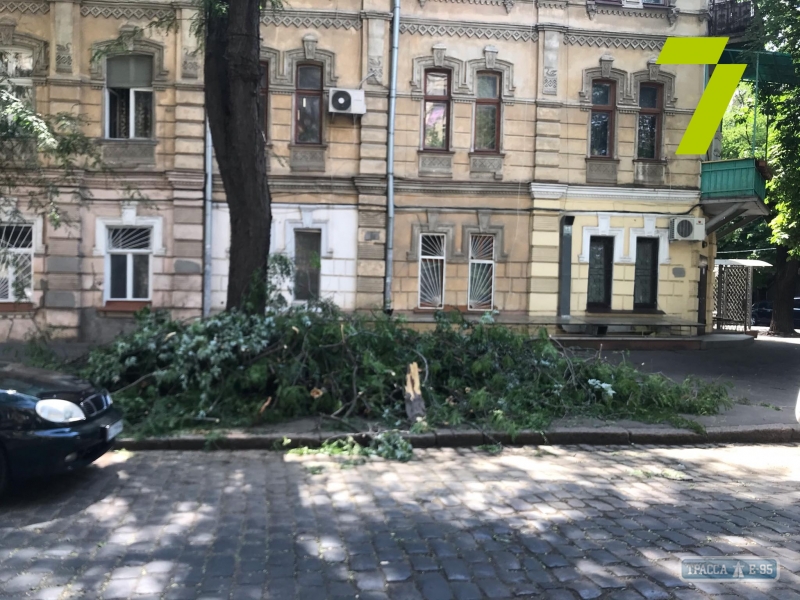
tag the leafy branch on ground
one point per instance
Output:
(237, 370)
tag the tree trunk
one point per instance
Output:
(231, 92)
(785, 286)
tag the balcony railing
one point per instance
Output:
(740, 178)
(731, 18)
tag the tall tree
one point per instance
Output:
(232, 76)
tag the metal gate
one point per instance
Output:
(732, 293)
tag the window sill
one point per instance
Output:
(128, 152)
(649, 172)
(482, 164)
(16, 307)
(636, 311)
(452, 307)
(435, 163)
(125, 307)
(307, 157)
(601, 170)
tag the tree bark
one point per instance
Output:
(232, 79)
(783, 302)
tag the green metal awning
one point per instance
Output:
(768, 67)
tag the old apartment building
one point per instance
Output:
(535, 167)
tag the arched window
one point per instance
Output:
(308, 105)
(436, 124)
(487, 112)
(651, 107)
(601, 143)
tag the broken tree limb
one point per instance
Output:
(415, 405)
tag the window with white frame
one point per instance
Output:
(431, 270)
(16, 262)
(128, 252)
(481, 272)
(16, 68)
(129, 96)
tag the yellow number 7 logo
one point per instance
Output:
(718, 93)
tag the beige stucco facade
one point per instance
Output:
(546, 53)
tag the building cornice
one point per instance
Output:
(557, 191)
(294, 184)
(139, 11)
(637, 41)
(312, 19)
(25, 7)
(460, 188)
(448, 28)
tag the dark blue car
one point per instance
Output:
(51, 423)
(762, 313)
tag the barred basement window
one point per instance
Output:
(128, 263)
(481, 272)
(129, 97)
(307, 252)
(16, 263)
(431, 270)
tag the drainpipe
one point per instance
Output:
(387, 289)
(207, 229)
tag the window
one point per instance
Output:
(431, 270)
(129, 97)
(308, 97)
(128, 263)
(263, 98)
(307, 252)
(649, 135)
(436, 129)
(602, 120)
(601, 265)
(481, 272)
(487, 113)
(645, 287)
(16, 68)
(16, 263)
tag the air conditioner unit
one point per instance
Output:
(688, 229)
(347, 102)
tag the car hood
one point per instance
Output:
(42, 383)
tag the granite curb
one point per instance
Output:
(446, 438)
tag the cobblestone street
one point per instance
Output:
(561, 523)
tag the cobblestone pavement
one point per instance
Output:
(560, 523)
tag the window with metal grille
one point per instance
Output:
(129, 96)
(601, 265)
(645, 286)
(431, 270)
(307, 252)
(481, 272)
(16, 262)
(128, 263)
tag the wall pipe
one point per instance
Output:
(387, 281)
(207, 218)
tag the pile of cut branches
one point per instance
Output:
(236, 369)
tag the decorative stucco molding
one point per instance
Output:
(63, 58)
(137, 12)
(438, 59)
(25, 7)
(311, 19)
(517, 33)
(39, 48)
(484, 227)
(649, 231)
(190, 66)
(654, 73)
(308, 53)
(617, 40)
(131, 42)
(508, 4)
(434, 225)
(669, 12)
(490, 62)
(603, 228)
(608, 72)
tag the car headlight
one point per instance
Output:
(59, 411)
(108, 398)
